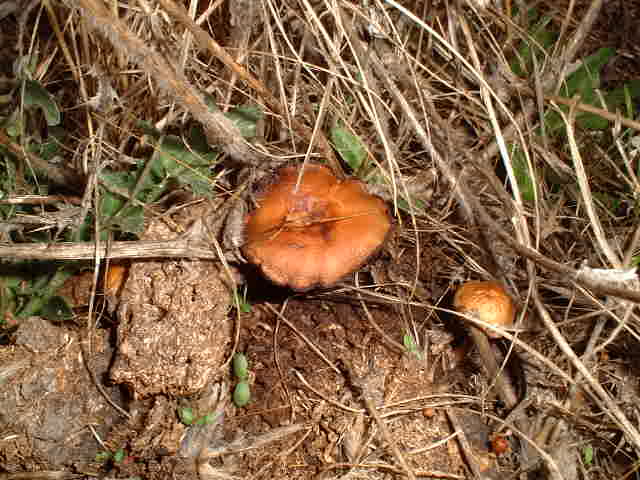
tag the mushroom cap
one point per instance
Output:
(487, 301)
(316, 236)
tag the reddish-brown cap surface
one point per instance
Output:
(315, 236)
(487, 301)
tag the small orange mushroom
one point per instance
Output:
(489, 302)
(318, 234)
(114, 279)
(486, 301)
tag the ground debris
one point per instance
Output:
(174, 332)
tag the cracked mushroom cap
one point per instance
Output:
(486, 301)
(317, 235)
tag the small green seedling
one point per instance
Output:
(244, 306)
(207, 419)
(187, 417)
(241, 394)
(411, 345)
(119, 456)
(587, 455)
(104, 456)
(240, 366)
(35, 95)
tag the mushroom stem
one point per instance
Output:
(504, 387)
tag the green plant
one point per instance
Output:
(354, 153)
(29, 288)
(187, 416)
(587, 455)
(241, 301)
(241, 394)
(177, 161)
(105, 456)
(349, 147)
(410, 344)
(584, 84)
(242, 391)
(240, 366)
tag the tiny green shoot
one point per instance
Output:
(241, 394)
(119, 455)
(240, 366)
(186, 415)
(587, 455)
(411, 345)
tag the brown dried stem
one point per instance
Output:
(204, 40)
(219, 129)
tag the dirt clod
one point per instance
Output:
(174, 331)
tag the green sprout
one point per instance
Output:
(240, 366)
(242, 392)
(410, 344)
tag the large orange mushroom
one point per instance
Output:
(317, 234)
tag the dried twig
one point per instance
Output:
(465, 447)
(57, 175)
(245, 444)
(204, 40)
(219, 129)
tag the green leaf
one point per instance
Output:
(587, 78)
(177, 160)
(245, 307)
(121, 180)
(198, 139)
(349, 147)
(241, 394)
(43, 290)
(149, 129)
(540, 38)
(522, 174)
(210, 100)
(245, 118)
(587, 454)
(127, 220)
(623, 98)
(35, 95)
(409, 343)
(583, 83)
(56, 309)
(418, 205)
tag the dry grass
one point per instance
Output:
(429, 88)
